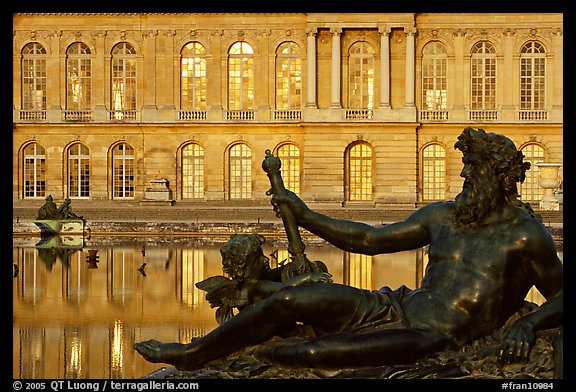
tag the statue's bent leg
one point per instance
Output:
(326, 305)
(395, 345)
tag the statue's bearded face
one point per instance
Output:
(480, 192)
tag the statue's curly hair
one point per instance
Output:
(500, 152)
(237, 251)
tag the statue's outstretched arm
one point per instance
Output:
(358, 237)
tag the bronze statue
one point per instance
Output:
(48, 210)
(65, 211)
(486, 250)
(250, 277)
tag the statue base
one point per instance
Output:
(477, 360)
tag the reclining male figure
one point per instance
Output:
(486, 250)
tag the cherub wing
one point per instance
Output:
(223, 291)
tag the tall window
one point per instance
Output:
(433, 172)
(34, 171)
(192, 171)
(193, 77)
(483, 76)
(361, 76)
(289, 155)
(123, 81)
(434, 76)
(240, 171)
(33, 77)
(78, 171)
(359, 178)
(78, 77)
(241, 77)
(530, 189)
(288, 76)
(123, 171)
(532, 76)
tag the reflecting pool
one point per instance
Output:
(80, 304)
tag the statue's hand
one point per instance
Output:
(291, 200)
(309, 278)
(517, 342)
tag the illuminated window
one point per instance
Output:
(241, 77)
(34, 171)
(530, 189)
(288, 76)
(78, 171)
(289, 155)
(361, 76)
(193, 77)
(359, 179)
(434, 76)
(532, 76)
(123, 171)
(192, 171)
(123, 81)
(78, 77)
(433, 172)
(240, 172)
(33, 77)
(483, 76)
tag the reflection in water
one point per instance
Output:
(79, 309)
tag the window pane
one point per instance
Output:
(361, 76)
(193, 172)
(193, 77)
(288, 77)
(240, 172)
(530, 189)
(289, 155)
(123, 171)
(34, 171)
(360, 172)
(78, 171)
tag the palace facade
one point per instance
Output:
(362, 108)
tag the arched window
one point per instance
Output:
(240, 171)
(288, 76)
(289, 155)
(123, 100)
(33, 77)
(34, 171)
(483, 76)
(532, 76)
(123, 171)
(78, 171)
(361, 76)
(78, 77)
(193, 77)
(434, 76)
(530, 189)
(192, 171)
(433, 172)
(359, 163)
(241, 77)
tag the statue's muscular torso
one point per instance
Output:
(469, 273)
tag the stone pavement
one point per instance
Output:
(106, 216)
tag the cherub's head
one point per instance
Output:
(242, 257)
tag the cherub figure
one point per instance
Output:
(250, 277)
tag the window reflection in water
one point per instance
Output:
(116, 349)
(74, 317)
